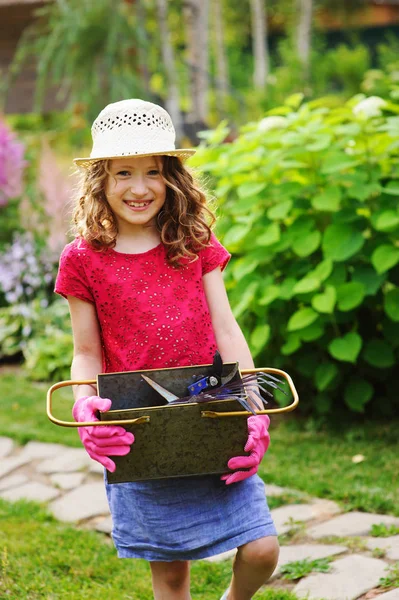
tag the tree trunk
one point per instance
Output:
(222, 78)
(196, 16)
(304, 33)
(172, 101)
(259, 43)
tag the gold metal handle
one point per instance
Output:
(216, 415)
(60, 384)
(146, 418)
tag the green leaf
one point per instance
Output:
(357, 393)
(270, 236)
(341, 241)
(259, 338)
(250, 188)
(338, 161)
(323, 269)
(306, 245)
(246, 299)
(391, 304)
(346, 348)
(236, 234)
(325, 374)
(312, 333)
(306, 285)
(270, 294)
(287, 288)
(350, 295)
(325, 302)
(301, 319)
(292, 344)
(379, 354)
(329, 200)
(386, 221)
(363, 191)
(280, 210)
(385, 257)
(321, 143)
(244, 266)
(369, 278)
(392, 189)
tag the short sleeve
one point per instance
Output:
(215, 255)
(71, 278)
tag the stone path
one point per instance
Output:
(71, 485)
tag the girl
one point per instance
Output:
(143, 279)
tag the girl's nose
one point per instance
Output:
(138, 187)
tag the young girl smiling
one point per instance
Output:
(144, 283)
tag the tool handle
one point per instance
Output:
(282, 409)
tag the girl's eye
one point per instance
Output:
(153, 172)
(123, 173)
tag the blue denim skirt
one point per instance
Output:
(187, 518)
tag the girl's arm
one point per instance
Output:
(229, 337)
(87, 352)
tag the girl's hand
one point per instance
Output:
(101, 442)
(257, 444)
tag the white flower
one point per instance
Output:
(369, 107)
(273, 122)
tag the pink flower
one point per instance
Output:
(12, 164)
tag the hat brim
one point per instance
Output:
(183, 154)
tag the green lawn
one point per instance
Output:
(42, 558)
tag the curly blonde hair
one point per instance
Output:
(184, 222)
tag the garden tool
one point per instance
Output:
(229, 390)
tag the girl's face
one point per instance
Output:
(135, 191)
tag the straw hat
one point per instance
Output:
(132, 128)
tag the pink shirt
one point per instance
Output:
(151, 315)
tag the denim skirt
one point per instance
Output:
(187, 518)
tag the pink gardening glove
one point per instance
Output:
(257, 444)
(101, 442)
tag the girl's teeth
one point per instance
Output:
(138, 204)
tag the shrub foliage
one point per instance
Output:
(308, 205)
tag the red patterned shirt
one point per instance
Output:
(151, 314)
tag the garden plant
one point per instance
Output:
(308, 198)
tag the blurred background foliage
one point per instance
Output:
(298, 127)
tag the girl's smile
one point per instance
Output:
(135, 191)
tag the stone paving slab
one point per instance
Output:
(6, 446)
(105, 526)
(392, 595)
(34, 490)
(298, 512)
(341, 583)
(9, 464)
(67, 481)
(35, 450)
(72, 459)
(87, 501)
(12, 481)
(297, 552)
(352, 523)
(389, 544)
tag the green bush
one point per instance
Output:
(41, 334)
(308, 207)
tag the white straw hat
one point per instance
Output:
(132, 128)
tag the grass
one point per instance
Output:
(317, 463)
(42, 558)
(301, 568)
